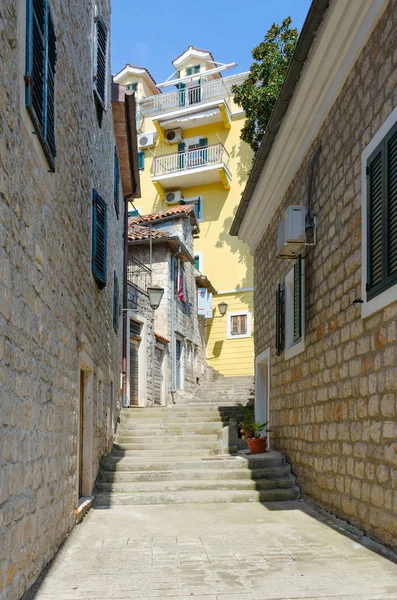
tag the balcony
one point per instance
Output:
(201, 166)
(208, 101)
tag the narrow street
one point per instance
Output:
(232, 551)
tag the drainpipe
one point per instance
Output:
(125, 402)
(309, 219)
(173, 349)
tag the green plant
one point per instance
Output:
(247, 413)
(253, 429)
(258, 94)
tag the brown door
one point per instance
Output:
(134, 347)
(158, 375)
(81, 432)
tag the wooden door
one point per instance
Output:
(178, 354)
(158, 375)
(134, 388)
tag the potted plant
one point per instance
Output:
(247, 416)
(252, 434)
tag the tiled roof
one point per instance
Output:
(137, 67)
(193, 48)
(178, 210)
(161, 338)
(136, 232)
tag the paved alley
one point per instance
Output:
(247, 551)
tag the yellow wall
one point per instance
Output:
(226, 260)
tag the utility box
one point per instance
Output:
(291, 232)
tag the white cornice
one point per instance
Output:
(344, 32)
(140, 72)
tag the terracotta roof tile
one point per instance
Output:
(135, 232)
(161, 338)
(180, 209)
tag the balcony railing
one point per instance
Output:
(190, 159)
(188, 96)
(138, 275)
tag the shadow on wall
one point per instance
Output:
(243, 156)
(236, 247)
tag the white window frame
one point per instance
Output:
(239, 313)
(292, 348)
(369, 307)
(200, 257)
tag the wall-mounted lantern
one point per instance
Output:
(222, 308)
(155, 294)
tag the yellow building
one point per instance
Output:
(190, 152)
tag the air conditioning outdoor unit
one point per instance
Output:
(147, 140)
(291, 232)
(173, 136)
(173, 197)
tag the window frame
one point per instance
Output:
(239, 313)
(379, 301)
(196, 200)
(293, 347)
(141, 163)
(199, 255)
(101, 102)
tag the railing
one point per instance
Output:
(188, 96)
(138, 275)
(190, 159)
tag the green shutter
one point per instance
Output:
(132, 87)
(279, 342)
(99, 239)
(298, 299)
(40, 74)
(100, 60)
(204, 143)
(375, 220)
(196, 69)
(181, 155)
(197, 263)
(391, 218)
(181, 94)
(116, 183)
(116, 302)
(189, 71)
(141, 160)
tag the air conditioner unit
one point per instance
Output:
(173, 136)
(291, 232)
(147, 140)
(173, 197)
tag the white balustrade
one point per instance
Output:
(190, 159)
(188, 96)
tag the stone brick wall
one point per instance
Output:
(333, 407)
(53, 318)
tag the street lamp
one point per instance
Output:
(222, 308)
(155, 294)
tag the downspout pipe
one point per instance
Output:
(125, 402)
(309, 218)
(173, 348)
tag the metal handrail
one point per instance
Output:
(190, 159)
(182, 98)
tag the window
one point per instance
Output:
(198, 206)
(99, 239)
(40, 75)
(132, 87)
(116, 183)
(100, 61)
(179, 279)
(294, 339)
(116, 302)
(192, 70)
(141, 160)
(239, 325)
(379, 218)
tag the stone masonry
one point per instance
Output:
(54, 320)
(333, 406)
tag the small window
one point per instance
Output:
(294, 338)
(179, 280)
(141, 160)
(116, 302)
(197, 262)
(132, 87)
(198, 206)
(100, 61)
(99, 239)
(40, 75)
(238, 325)
(116, 182)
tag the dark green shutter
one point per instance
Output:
(181, 94)
(100, 60)
(196, 69)
(189, 71)
(40, 74)
(132, 87)
(116, 302)
(197, 263)
(99, 239)
(116, 182)
(141, 160)
(391, 209)
(181, 155)
(298, 299)
(203, 143)
(382, 216)
(279, 341)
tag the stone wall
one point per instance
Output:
(333, 406)
(53, 318)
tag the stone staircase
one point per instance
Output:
(181, 454)
(221, 391)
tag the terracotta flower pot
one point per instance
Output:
(257, 445)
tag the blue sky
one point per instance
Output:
(152, 33)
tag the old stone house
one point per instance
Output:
(167, 346)
(61, 270)
(320, 215)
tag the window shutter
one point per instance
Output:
(100, 60)
(189, 71)
(375, 220)
(203, 141)
(197, 263)
(196, 69)
(99, 239)
(391, 219)
(132, 87)
(298, 299)
(279, 339)
(116, 183)
(116, 304)
(141, 160)
(40, 74)
(203, 144)
(182, 156)
(181, 94)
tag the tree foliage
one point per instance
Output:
(259, 92)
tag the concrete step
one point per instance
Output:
(158, 444)
(138, 438)
(196, 497)
(178, 486)
(165, 453)
(198, 418)
(143, 429)
(194, 474)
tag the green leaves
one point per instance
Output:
(259, 92)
